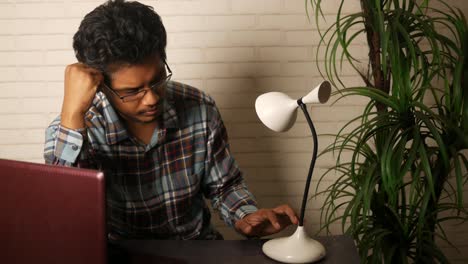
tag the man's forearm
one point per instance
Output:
(72, 120)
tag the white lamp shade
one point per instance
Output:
(276, 110)
(279, 112)
(319, 95)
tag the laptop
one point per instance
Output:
(51, 214)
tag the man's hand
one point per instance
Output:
(81, 84)
(265, 222)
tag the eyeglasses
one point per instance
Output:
(140, 93)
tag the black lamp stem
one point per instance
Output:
(312, 163)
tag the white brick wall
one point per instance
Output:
(232, 49)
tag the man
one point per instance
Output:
(162, 144)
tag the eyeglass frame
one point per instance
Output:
(152, 87)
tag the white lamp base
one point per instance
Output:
(298, 248)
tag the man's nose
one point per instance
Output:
(150, 98)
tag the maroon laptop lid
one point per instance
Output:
(51, 214)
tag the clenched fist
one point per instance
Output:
(81, 84)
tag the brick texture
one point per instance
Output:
(234, 50)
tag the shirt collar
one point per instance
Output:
(115, 129)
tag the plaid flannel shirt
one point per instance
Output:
(158, 190)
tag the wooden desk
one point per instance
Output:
(340, 249)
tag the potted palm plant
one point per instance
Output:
(407, 170)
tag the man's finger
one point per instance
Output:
(287, 210)
(273, 219)
(244, 227)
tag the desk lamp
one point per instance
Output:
(279, 112)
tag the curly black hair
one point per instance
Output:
(119, 33)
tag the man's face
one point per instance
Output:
(127, 81)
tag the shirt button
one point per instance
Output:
(74, 147)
